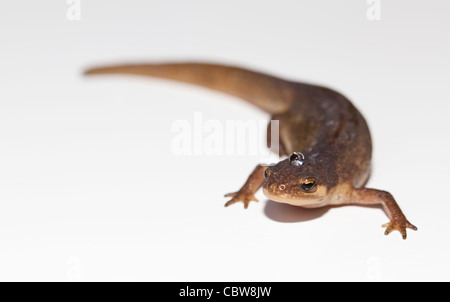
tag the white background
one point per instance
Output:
(90, 189)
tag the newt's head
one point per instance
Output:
(297, 181)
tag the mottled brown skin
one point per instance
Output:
(318, 122)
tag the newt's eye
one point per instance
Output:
(266, 174)
(309, 185)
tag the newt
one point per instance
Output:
(324, 141)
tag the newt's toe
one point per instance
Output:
(241, 195)
(399, 224)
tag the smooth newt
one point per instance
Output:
(326, 140)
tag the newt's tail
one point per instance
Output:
(269, 93)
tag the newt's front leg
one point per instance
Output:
(372, 196)
(246, 193)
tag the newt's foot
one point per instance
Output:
(399, 224)
(242, 195)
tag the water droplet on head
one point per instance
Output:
(296, 159)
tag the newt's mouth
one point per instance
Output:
(309, 200)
